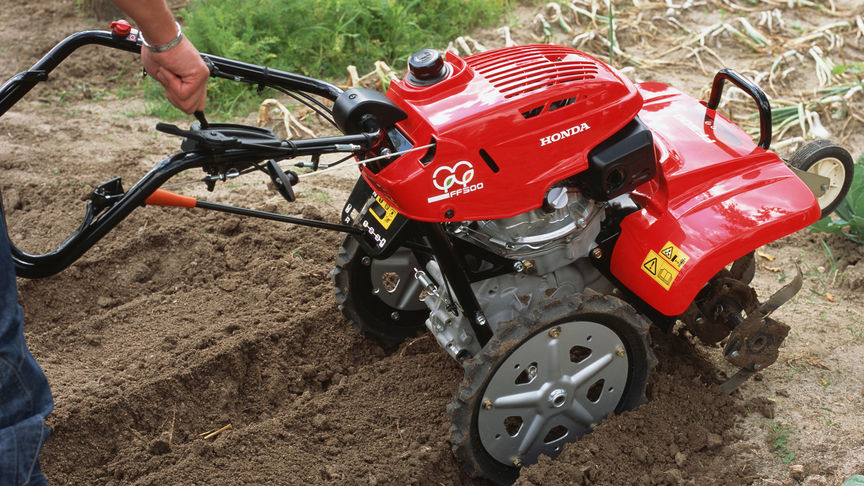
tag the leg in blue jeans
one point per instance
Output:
(25, 398)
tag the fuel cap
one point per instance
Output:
(426, 67)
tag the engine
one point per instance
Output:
(545, 239)
(549, 246)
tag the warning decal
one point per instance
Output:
(384, 213)
(674, 255)
(658, 268)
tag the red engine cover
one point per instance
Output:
(507, 125)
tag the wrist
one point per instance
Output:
(164, 46)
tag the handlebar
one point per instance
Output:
(214, 148)
(751, 89)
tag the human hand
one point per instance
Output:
(182, 72)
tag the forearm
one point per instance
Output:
(153, 18)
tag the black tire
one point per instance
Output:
(352, 279)
(833, 161)
(551, 313)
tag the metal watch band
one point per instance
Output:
(168, 45)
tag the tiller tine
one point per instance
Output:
(755, 343)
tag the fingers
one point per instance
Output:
(183, 74)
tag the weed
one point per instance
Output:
(778, 437)
(318, 195)
(828, 277)
(852, 67)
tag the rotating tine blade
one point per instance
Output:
(783, 295)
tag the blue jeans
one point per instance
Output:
(25, 398)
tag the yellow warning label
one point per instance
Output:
(674, 255)
(385, 217)
(663, 272)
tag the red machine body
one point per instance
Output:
(508, 124)
(534, 111)
(716, 197)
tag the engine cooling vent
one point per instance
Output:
(520, 70)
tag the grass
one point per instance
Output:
(778, 437)
(320, 38)
(828, 277)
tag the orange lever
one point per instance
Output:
(161, 197)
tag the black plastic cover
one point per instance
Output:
(621, 163)
(355, 104)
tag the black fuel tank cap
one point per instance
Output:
(426, 67)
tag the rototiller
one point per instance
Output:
(530, 207)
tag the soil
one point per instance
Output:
(180, 323)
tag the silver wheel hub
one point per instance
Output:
(553, 388)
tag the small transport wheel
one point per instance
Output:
(545, 379)
(381, 298)
(826, 159)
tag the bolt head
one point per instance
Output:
(620, 351)
(487, 404)
(555, 332)
(757, 366)
(558, 398)
(733, 354)
(517, 462)
(518, 266)
(395, 316)
(366, 261)
(597, 253)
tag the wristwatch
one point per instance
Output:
(166, 46)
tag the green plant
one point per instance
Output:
(320, 38)
(852, 67)
(850, 221)
(828, 276)
(778, 437)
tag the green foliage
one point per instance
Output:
(850, 221)
(852, 67)
(856, 480)
(778, 436)
(320, 38)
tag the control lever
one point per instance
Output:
(196, 140)
(282, 181)
(203, 121)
